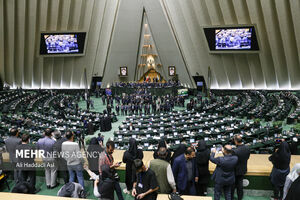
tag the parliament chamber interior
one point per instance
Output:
(140, 99)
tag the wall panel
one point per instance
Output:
(177, 26)
(2, 71)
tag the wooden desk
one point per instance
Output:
(258, 164)
(15, 196)
(185, 197)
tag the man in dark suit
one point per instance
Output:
(26, 163)
(224, 173)
(118, 109)
(61, 163)
(11, 144)
(243, 154)
(185, 172)
(90, 127)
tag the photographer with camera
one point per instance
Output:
(106, 158)
(224, 173)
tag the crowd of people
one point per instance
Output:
(185, 172)
(141, 102)
(147, 84)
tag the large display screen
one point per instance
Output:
(62, 43)
(239, 38)
(182, 92)
(234, 39)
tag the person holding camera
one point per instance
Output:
(280, 159)
(224, 173)
(72, 154)
(145, 185)
(243, 154)
(106, 158)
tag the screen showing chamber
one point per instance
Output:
(238, 38)
(233, 39)
(62, 43)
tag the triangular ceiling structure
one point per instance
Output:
(148, 56)
(135, 19)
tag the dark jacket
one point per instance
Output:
(129, 156)
(202, 160)
(11, 144)
(106, 183)
(282, 157)
(90, 128)
(281, 164)
(26, 163)
(294, 192)
(224, 172)
(243, 154)
(180, 173)
(62, 163)
(179, 151)
(94, 151)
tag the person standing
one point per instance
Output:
(94, 149)
(11, 144)
(163, 172)
(118, 109)
(202, 160)
(61, 163)
(103, 99)
(129, 156)
(243, 154)
(224, 173)
(281, 167)
(145, 185)
(26, 163)
(46, 144)
(104, 185)
(72, 154)
(294, 192)
(106, 158)
(162, 143)
(293, 175)
(185, 172)
(179, 151)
